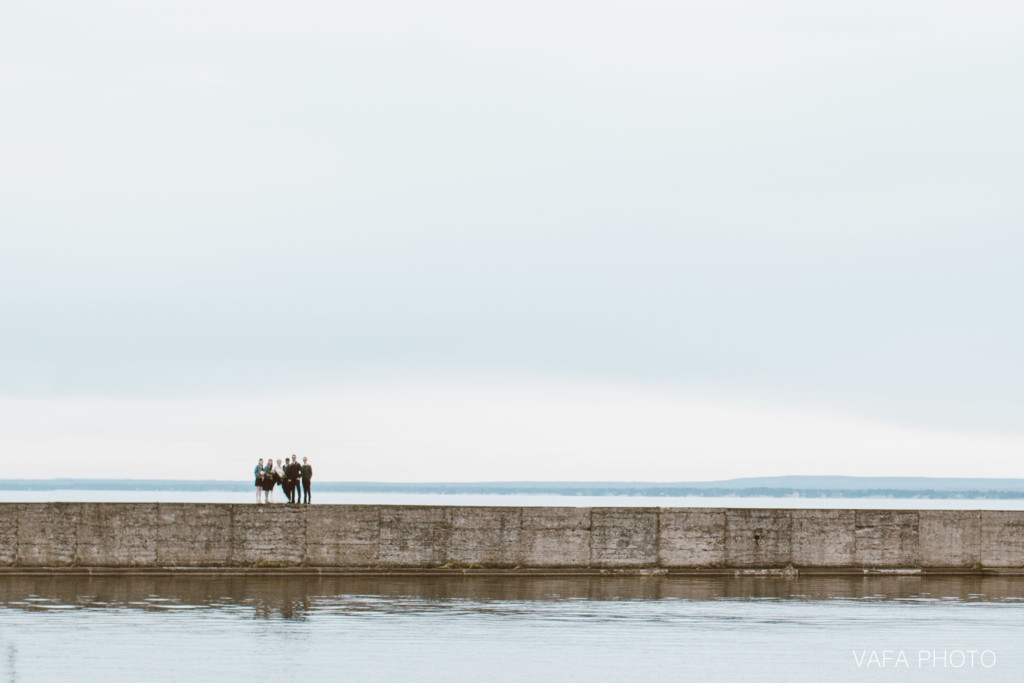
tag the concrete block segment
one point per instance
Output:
(886, 538)
(343, 535)
(1002, 539)
(692, 537)
(46, 533)
(555, 537)
(193, 535)
(950, 538)
(758, 538)
(414, 536)
(624, 537)
(121, 534)
(268, 535)
(485, 536)
(823, 538)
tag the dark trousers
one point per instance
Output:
(305, 490)
(287, 486)
(294, 496)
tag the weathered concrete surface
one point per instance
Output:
(951, 538)
(624, 537)
(122, 535)
(414, 536)
(343, 535)
(1002, 538)
(555, 537)
(691, 537)
(193, 535)
(176, 535)
(887, 538)
(47, 533)
(267, 535)
(823, 538)
(487, 536)
(758, 538)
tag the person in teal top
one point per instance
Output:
(259, 481)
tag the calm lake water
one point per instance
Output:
(520, 500)
(463, 629)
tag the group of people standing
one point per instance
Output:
(288, 476)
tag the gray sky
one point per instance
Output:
(791, 209)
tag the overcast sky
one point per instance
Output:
(530, 240)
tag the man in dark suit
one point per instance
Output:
(307, 478)
(293, 471)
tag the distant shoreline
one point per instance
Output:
(780, 487)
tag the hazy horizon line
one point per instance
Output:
(818, 485)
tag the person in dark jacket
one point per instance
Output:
(294, 470)
(307, 477)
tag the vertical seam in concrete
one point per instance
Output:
(917, 549)
(976, 542)
(657, 537)
(16, 560)
(983, 517)
(727, 556)
(305, 537)
(590, 537)
(449, 532)
(519, 555)
(916, 527)
(231, 534)
(380, 535)
(159, 527)
(789, 541)
(78, 524)
(857, 558)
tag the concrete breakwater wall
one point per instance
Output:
(181, 535)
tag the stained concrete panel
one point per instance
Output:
(822, 538)
(691, 537)
(887, 538)
(950, 538)
(487, 536)
(414, 536)
(193, 535)
(47, 533)
(1002, 538)
(555, 537)
(117, 535)
(273, 534)
(758, 538)
(343, 536)
(624, 537)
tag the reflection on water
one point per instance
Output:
(295, 597)
(500, 628)
(12, 661)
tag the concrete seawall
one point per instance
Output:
(384, 537)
